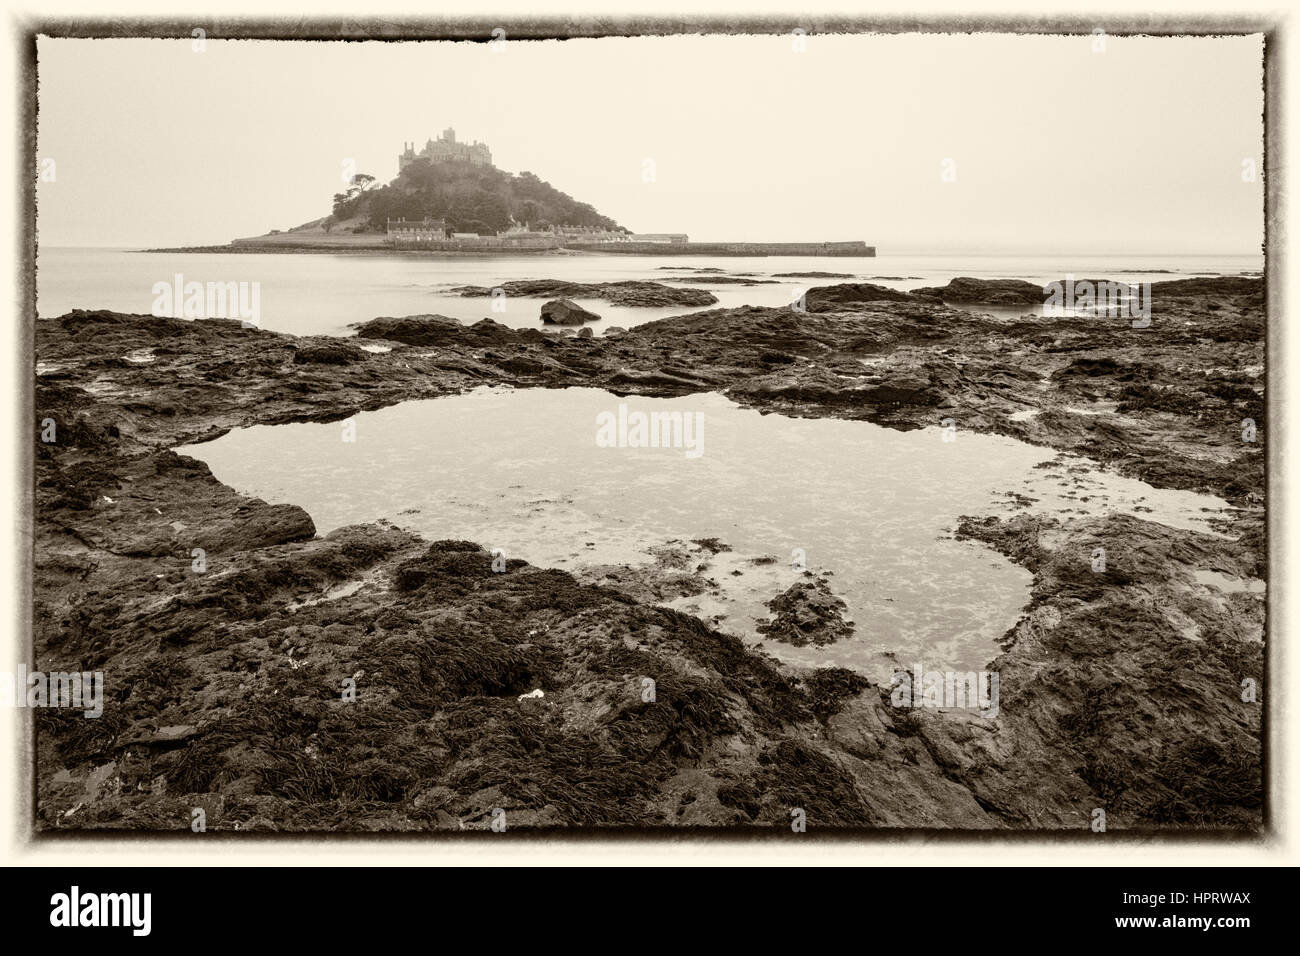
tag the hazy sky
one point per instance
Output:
(1056, 148)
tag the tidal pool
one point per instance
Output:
(548, 476)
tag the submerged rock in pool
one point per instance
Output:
(807, 613)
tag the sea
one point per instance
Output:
(326, 294)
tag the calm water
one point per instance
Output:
(522, 471)
(324, 294)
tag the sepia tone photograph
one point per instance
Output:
(503, 434)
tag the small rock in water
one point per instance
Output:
(565, 312)
(807, 613)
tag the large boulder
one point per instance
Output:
(566, 312)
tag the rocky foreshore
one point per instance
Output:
(370, 680)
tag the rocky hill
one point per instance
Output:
(471, 198)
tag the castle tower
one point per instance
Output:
(446, 149)
(407, 154)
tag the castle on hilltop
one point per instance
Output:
(446, 149)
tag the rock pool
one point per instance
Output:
(867, 509)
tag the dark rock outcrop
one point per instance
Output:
(812, 275)
(1212, 286)
(412, 329)
(564, 312)
(833, 298)
(986, 291)
(329, 354)
(627, 293)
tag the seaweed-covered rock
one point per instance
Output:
(329, 353)
(831, 298)
(807, 612)
(986, 291)
(412, 329)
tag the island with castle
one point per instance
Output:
(450, 199)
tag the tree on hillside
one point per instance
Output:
(345, 203)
